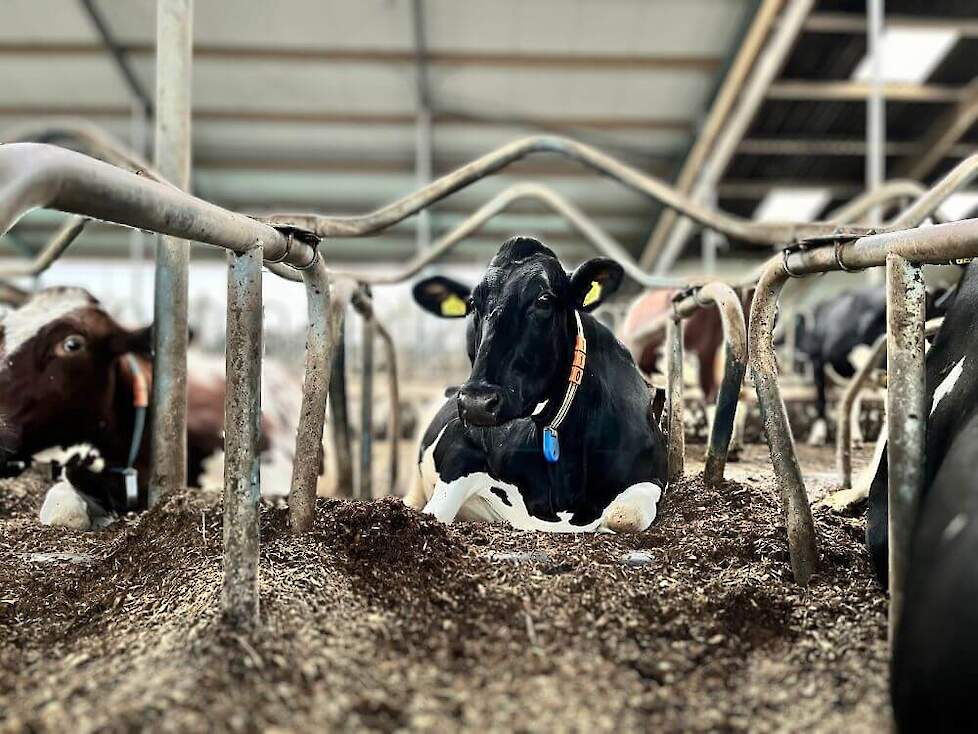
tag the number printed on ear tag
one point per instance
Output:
(452, 305)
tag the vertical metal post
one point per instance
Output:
(242, 433)
(315, 390)
(139, 138)
(365, 485)
(787, 471)
(674, 398)
(875, 112)
(339, 409)
(394, 399)
(174, 34)
(906, 413)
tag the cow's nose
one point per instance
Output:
(479, 405)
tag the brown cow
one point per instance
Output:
(71, 374)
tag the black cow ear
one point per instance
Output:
(594, 281)
(443, 297)
(136, 341)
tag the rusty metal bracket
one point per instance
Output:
(304, 236)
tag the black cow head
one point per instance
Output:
(521, 326)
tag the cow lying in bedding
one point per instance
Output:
(70, 374)
(554, 428)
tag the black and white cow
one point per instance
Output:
(838, 325)
(554, 428)
(935, 650)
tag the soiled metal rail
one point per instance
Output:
(758, 233)
(847, 417)
(903, 253)
(35, 175)
(363, 303)
(725, 298)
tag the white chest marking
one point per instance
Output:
(22, 324)
(479, 496)
(947, 384)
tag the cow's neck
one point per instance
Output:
(556, 415)
(115, 439)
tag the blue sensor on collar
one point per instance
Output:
(551, 445)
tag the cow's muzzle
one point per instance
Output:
(479, 404)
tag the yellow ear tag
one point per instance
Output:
(593, 294)
(453, 306)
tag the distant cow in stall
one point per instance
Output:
(554, 429)
(70, 374)
(702, 337)
(935, 649)
(836, 327)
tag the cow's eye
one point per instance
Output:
(545, 302)
(72, 344)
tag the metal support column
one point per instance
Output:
(365, 485)
(174, 29)
(242, 434)
(875, 113)
(674, 399)
(339, 409)
(315, 390)
(906, 413)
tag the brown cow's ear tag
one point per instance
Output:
(593, 294)
(453, 307)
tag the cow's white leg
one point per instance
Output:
(845, 500)
(855, 429)
(416, 496)
(448, 497)
(739, 426)
(64, 507)
(819, 433)
(633, 510)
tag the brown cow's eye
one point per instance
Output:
(72, 344)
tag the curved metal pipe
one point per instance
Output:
(787, 471)
(735, 365)
(394, 414)
(760, 233)
(66, 234)
(34, 175)
(320, 344)
(604, 243)
(845, 417)
(846, 412)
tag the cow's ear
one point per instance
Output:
(443, 297)
(135, 341)
(594, 281)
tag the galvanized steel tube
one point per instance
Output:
(735, 365)
(339, 410)
(845, 417)
(315, 391)
(242, 434)
(906, 416)
(34, 175)
(168, 430)
(394, 394)
(365, 483)
(787, 472)
(676, 434)
(66, 234)
(846, 414)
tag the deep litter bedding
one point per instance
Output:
(383, 619)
